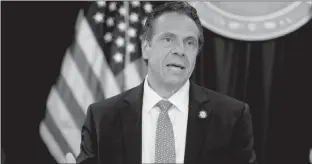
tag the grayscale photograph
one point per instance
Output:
(146, 82)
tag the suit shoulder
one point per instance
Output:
(220, 98)
(226, 105)
(107, 105)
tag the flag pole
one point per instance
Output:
(127, 41)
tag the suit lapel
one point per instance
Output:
(131, 116)
(197, 125)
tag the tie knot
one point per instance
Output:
(164, 105)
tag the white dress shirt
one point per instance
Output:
(178, 114)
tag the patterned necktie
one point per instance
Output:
(165, 146)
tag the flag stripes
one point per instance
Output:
(98, 65)
(133, 77)
(54, 145)
(71, 103)
(96, 59)
(76, 82)
(56, 134)
(91, 80)
(63, 120)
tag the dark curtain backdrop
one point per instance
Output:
(34, 39)
(273, 77)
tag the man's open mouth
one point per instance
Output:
(175, 66)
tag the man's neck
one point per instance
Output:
(164, 91)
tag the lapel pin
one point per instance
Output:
(202, 114)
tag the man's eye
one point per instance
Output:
(167, 39)
(190, 43)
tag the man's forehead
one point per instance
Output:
(168, 17)
(173, 22)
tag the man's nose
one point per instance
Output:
(179, 49)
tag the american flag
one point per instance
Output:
(103, 60)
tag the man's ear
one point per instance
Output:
(145, 48)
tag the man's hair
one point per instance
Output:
(176, 6)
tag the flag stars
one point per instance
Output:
(134, 17)
(108, 37)
(123, 11)
(120, 41)
(135, 3)
(98, 17)
(132, 32)
(101, 3)
(130, 48)
(118, 57)
(110, 21)
(112, 6)
(122, 26)
(148, 7)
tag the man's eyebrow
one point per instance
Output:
(190, 37)
(167, 34)
(174, 35)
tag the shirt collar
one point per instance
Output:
(179, 99)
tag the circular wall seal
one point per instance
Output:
(253, 21)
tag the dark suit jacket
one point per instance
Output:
(112, 133)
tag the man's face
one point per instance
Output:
(172, 51)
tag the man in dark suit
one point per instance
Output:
(168, 118)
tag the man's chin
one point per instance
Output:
(175, 81)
